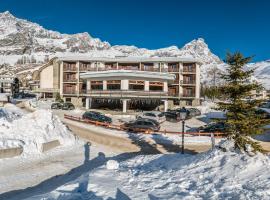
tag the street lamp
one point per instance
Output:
(183, 115)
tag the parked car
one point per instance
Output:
(183, 109)
(68, 106)
(172, 116)
(96, 116)
(213, 127)
(156, 115)
(194, 112)
(264, 112)
(56, 105)
(141, 125)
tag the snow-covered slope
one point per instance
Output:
(211, 175)
(18, 36)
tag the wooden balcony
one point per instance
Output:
(70, 80)
(69, 91)
(188, 82)
(71, 67)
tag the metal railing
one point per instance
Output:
(127, 93)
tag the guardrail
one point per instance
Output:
(119, 127)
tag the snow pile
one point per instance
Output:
(112, 164)
(34, 129)
(211, 175)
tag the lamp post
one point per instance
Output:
(183, 115)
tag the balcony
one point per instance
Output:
(69, 91)
(151, 69)
(85, 67)
(73, 80)
(189, 68)
(71, 67)
(188, 95)
(127, 93)
(135, 68)
(173, 69)
(188, 82)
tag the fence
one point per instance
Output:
(119, 127)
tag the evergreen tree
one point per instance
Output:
(58, 98)
(242, 120)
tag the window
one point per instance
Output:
(149, 114)
(114, 85)
(155, 86)
(136, 85)
(96, 85)
(68, 99)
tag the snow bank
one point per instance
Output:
(32, 130)
(211, 175)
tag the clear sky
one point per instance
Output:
(226, 25)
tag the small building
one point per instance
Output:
(125, 83)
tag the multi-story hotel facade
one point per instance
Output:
(124, 82)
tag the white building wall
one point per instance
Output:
(180, 78)
(61, 78)
(46, 78)
(146, 85)
(104, 82)
(197, 89)
(124, 84)
(165, 86)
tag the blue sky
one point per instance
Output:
(226, 25)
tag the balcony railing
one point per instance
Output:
(170, 69)
(151, 69)
(70, 80)
(188, 95)
(127, 93)
(69, 67)
(65, 91)
(85, 69)
(189, 82)
(135, 68)
(189, 70)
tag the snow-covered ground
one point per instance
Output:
(30, 131)
(97, 172)
(210, 175)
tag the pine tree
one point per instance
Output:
(242, 120)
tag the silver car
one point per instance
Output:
(155, 115)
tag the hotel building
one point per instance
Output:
(124, 82)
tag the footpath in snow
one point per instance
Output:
(211, 175)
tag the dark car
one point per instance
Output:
(172, 116)
(213, 127)
(68, 106)
(188, 116)
(142, 125)
(96, 116)
(56, 105)
(264, 114)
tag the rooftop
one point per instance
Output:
(128, 59)
(141, 75)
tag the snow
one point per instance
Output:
(31, 130)
(112, 164)
(211, 175)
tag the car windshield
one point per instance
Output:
(150, 114)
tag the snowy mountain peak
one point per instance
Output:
(18, 37)
(199, 49)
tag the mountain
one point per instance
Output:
(25, 45)
(18, 36)
(21, 37)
